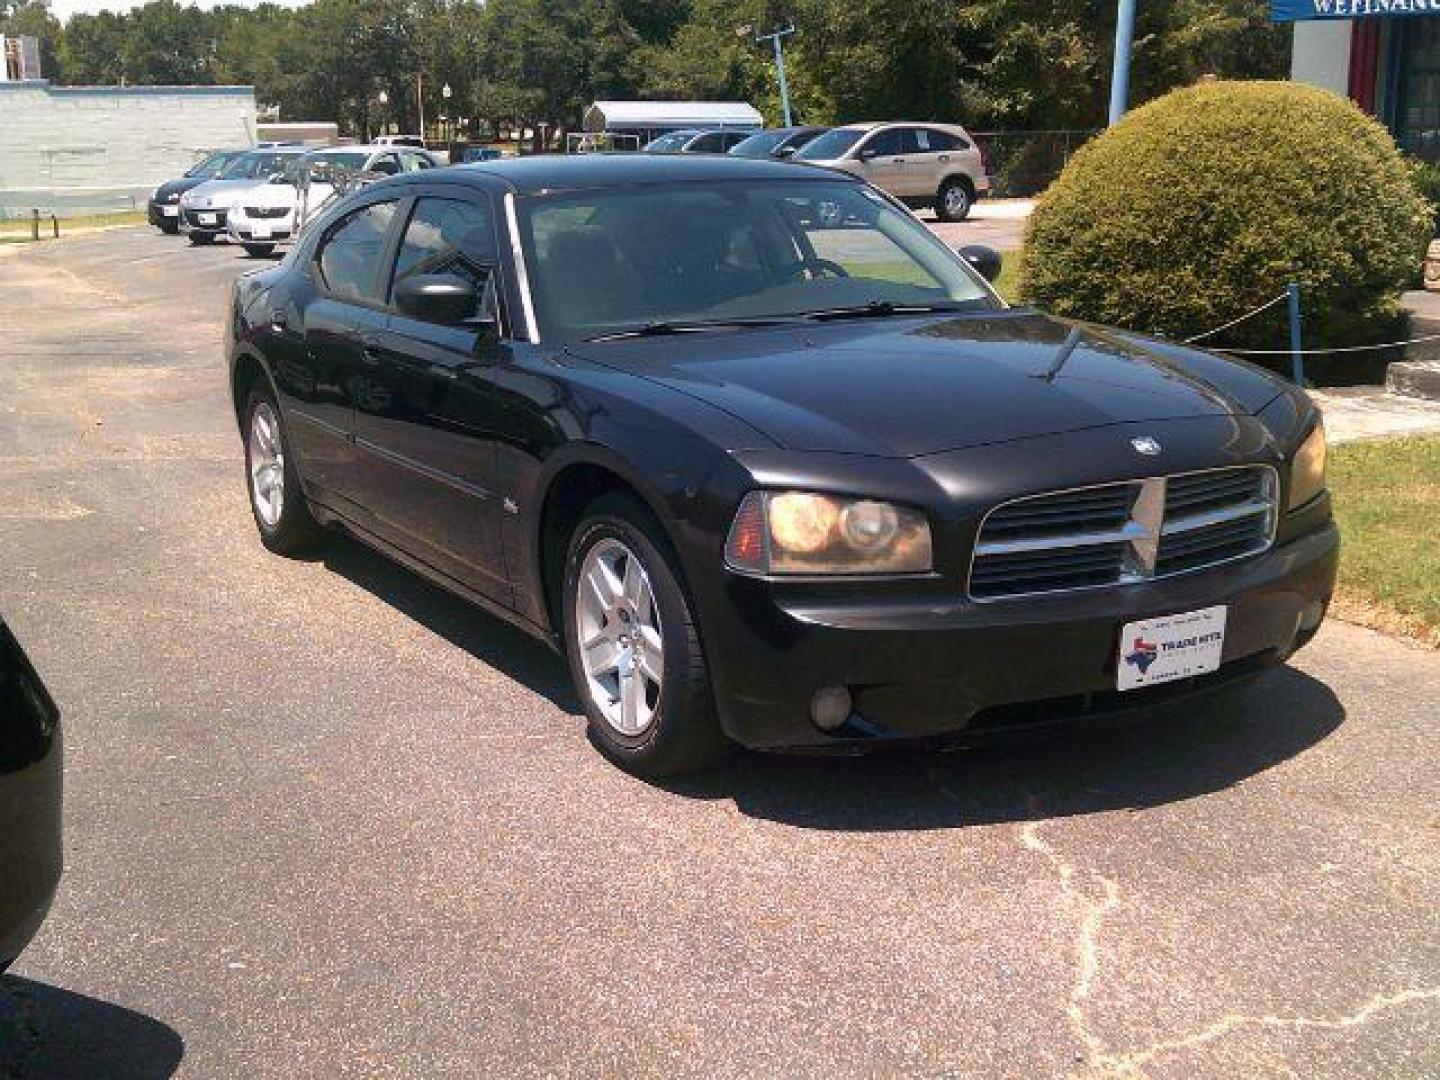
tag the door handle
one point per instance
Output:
(278, 319)
(370, 349)
(944, 158)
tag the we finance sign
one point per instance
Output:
(1296, 10)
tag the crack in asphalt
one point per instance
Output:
(1098, 1058)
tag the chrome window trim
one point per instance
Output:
(1130, 576)
(522, 278)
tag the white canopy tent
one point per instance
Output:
(652, 118)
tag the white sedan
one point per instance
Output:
(274, 213)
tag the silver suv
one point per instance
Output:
(922, 165)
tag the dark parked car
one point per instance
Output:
(163, 208)
(776, 142)
(768, 461)
(29, 799)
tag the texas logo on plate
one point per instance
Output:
(1170, 647)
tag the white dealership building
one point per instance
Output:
(95, 148)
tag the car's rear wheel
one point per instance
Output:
(259, 251)
(953, 202)
(199, 239)
(281, 511)
(634, 651)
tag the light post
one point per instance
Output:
(384, 99)
(779, 64)
(1120, 72)
(445, 93)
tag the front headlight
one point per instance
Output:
(798, 532)
(1307, 469)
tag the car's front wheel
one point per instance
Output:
(170, 228)
(633, 647)
(259, 251)
(281, 511)
(201, 238)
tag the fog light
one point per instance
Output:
(831, 707)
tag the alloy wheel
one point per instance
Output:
(267, 465)
(618, 629)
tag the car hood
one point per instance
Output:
(175, 188)
(221, 192)
(273, 195)
(906, 386)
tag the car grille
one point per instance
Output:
(1115, 534)
(266, 211)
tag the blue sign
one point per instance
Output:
(1295, 10)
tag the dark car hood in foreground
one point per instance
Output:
(905, 386)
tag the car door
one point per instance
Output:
(341, 313)
(880, 160)
(429, 437)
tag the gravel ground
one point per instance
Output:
(324, 820)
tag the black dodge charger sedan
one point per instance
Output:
(767, 461)
(29, 799)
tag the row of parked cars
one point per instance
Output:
(260, 198)
(930, 166)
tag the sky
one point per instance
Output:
(63, 9)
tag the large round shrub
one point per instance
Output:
(1205, 202)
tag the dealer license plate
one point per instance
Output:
(260, 232)
(1170, 647)
(207, 219)
(169, 211)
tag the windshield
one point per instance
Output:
(625, 258)
(256, 163)
(759, 145)
(829, 146)
(323, 167)
(676, 140)
(211, 166)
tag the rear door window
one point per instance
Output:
(350, 254)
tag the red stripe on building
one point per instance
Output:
(1364, 62)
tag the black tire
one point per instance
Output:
(685, 734)
(168, 227)
(259, 251)
(200, 239)
(296, 532)
(954, 200)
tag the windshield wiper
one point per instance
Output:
(879, 309)
(665, 328)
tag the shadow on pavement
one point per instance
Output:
(48, 1034)
(1178, 753)
(507, 649)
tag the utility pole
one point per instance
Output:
(774, 40)
(420, 103)
(1120, 73)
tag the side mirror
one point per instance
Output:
(985, 260)
(437, 298)
(785, 152)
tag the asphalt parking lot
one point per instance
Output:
(324, 820)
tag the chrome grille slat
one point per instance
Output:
(1125, 532)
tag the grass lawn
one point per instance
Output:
(1387, 502)
(1008, 283)
(18, 229)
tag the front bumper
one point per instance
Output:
(246, 230)
(30, 856)
(162, 213)
(193, 221)
(941, 667)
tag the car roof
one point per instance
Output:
(874, 125)
(550, 172)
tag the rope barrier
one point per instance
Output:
(1331, 352)
(1236, 322)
